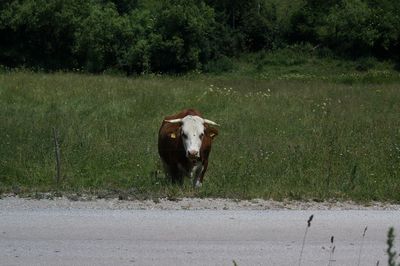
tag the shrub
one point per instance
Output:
(182, 35)
(259, 27)
(102, 35)
(220, 65)
(135, 56)
(39, 33)
(349, 29)
(365, 63)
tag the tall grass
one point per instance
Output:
(392, 254)
(304, 238)
(278, 139)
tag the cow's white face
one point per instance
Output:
(192, 132)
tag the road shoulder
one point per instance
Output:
(15, 202)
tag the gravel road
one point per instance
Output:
(191, 232)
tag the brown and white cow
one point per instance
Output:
(184, 144)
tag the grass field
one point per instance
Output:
(290, 135)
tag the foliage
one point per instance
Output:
(390, 250)
(167, 38)
(355, 28)
(40, 33)
(220, 65)
(259, 27)
(134, 57)
(348, 28)
(183, 28)
(101, 35)
(386, 20)
(179, 36)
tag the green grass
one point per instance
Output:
(317, 138)
(305, 63)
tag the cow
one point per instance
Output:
(184, 144)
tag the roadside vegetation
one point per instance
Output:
(306, 92)
(177, 36)
(293, 126)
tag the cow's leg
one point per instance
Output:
(167, 170)
(176, 175)
(173, 173)
(202, 173)
(198, 175)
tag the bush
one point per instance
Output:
(349, 29)
(182, 42)
(306, 20)
(355, 28)
(135, 56)
(220, 65)
(386, 20)
(260, 28)
(100, 38)
(39, 33)
(365, 63)
(178, 36)
(288, 56)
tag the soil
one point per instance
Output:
(86, 202)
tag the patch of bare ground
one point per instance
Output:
(87, 202)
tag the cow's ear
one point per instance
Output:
(175, 133)
(212, 132)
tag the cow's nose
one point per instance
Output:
(193, 153)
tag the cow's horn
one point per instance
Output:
(174, 121)
(210, 122)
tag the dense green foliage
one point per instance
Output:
(305, 129)
(178, 36)
(351, 27)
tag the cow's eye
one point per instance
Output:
(201, 135)
(184, 135)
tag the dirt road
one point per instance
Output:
(60, 232)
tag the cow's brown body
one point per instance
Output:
(173, 154)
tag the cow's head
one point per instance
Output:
(192, 130)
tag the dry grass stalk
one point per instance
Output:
(361, 247)
(332, 251)
(305, 236)
(390, 250)
(58, 155)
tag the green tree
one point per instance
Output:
(39, 33)
(260, 26)
(135, 56)
(385, 16)
(308, 18)
(183, 35)
(123, 6)
(348, 28)
(101, 36)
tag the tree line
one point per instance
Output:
(139, 36)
